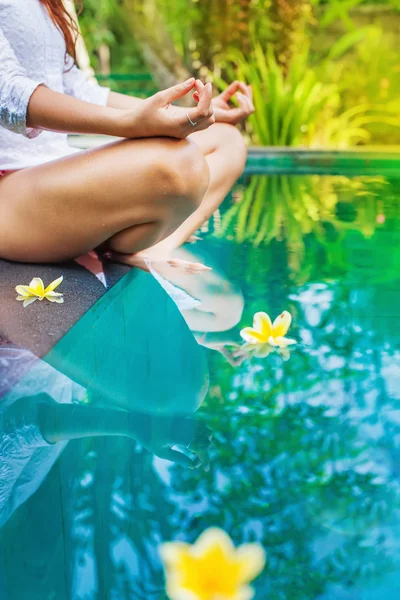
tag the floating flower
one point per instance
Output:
(265, 337)
(36, 291)
(211, 569)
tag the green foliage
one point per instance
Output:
(286, 107)
(369, 74)
(279, 205)
(337, 9)
(304, 105)
(321, 76)
(315, 216)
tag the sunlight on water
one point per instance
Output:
(299, 452)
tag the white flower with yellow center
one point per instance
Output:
(265, 337)
(212, 568)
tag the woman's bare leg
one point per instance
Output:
(125, 196)
(225, 151)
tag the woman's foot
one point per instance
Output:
(165, 266)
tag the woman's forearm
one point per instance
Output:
(61, 422)
(53, 111)
(125, 117)
(123, 101)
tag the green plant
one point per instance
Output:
(305, 210)
(286, 107)
(279, 205)
(304, 105)
(337, 9)
(369, 76)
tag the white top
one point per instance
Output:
(25, 456)
(32, 52)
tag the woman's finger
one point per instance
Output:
(247, 92)
(230, 91)
(245, 103)
(249, 95)
(199, 85)
(204, 107)
(202, 116)
(177, 91)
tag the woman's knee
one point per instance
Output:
(185, 175)
(231, 138)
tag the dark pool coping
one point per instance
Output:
(283, 160)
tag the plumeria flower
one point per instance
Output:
(212, 568)
(36, 291)
(265, 337)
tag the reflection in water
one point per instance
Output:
(305, 454)
(43, 409)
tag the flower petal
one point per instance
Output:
(284, 353)
(245, 593)
(54, 284)
(252, 336)
(176, 592)
(22, 290)
(272, 342)
(262, 350)
(52, 294)
(36, 287)
(173, 552)
(28, 301)
(283, 342)
(247, 347)
(281, 324)
(57, 300)
(263, 324)
(213, 537)
(251, 558)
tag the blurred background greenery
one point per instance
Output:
(325, 73)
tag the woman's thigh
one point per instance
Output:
(64, 208)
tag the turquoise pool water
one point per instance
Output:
(301, 455)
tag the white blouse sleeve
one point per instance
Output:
(16, 89)
(78, 84)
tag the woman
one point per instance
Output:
(153, 189)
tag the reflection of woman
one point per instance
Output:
(213, 305)
(34, 431)
(145, 394)
(174, 164)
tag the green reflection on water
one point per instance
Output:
(305, 454)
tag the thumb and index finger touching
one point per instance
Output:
(177, 91)
(203, 93)
(181, 89)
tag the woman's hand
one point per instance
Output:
(181, 439)
(156, 116)
(225, 113)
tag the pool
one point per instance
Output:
(298, 451)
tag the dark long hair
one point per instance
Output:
(65, 23)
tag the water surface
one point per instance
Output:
(300, 455)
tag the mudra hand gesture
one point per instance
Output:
(224, 112)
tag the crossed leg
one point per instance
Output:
(126, 197)
(225, 152)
